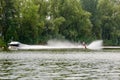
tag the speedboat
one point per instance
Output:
(14, 45)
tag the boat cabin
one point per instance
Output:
(15, 44)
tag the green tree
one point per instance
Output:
(77, 25)
(28, 17)
(109, 21)
(115, 22)
(91, 6)
(8, 20)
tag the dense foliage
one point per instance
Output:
(37, 21)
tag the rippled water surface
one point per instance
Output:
(60, 65)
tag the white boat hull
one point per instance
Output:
(41, 47)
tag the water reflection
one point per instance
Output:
(55, 66)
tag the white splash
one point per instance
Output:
(60, 43)
(96, 45)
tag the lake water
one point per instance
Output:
(60, 65)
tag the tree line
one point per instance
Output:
(37, 21)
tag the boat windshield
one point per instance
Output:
(16, 44)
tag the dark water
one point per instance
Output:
(60, 65)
